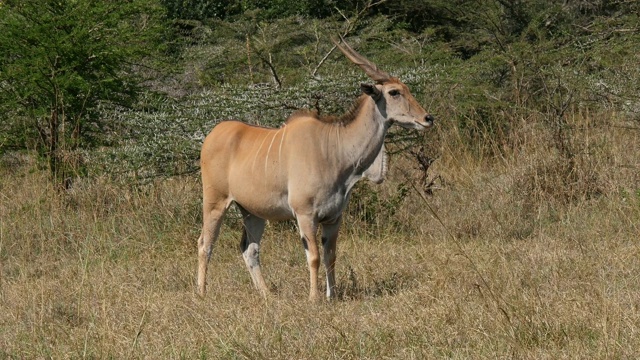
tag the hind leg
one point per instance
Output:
(250, 247)
(211, 222)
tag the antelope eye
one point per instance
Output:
(394, 92)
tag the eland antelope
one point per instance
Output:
(303, 170)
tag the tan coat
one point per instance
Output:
(303, 170)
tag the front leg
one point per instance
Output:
(308, 227)
(329, 240)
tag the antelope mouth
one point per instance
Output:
(414, 123)
(421, 125)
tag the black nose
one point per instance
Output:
(429, 118)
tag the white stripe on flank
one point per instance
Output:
(284, 130)
(258, 153)
(266, 161)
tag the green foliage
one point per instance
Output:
(230, 10)
(59, 61)
(289, 51)
(486, 69)
(527, 62)
(541, 59)
(197, 9)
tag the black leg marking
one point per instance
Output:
(244, 243)
(304, 243)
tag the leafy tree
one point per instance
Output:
(60, 60)
(265, 9)
(197, 9)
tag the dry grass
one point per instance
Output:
(516, 269)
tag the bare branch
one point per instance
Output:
(315, 70)
(351, 24)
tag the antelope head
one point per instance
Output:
(390, 94)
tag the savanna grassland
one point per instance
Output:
(509, 230)
(495, 271)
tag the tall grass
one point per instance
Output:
(519, 255)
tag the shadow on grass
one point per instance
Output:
(355, 289)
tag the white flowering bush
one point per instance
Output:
(163, 138)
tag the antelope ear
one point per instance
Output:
(371, 90)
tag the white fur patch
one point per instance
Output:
(378, 170)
